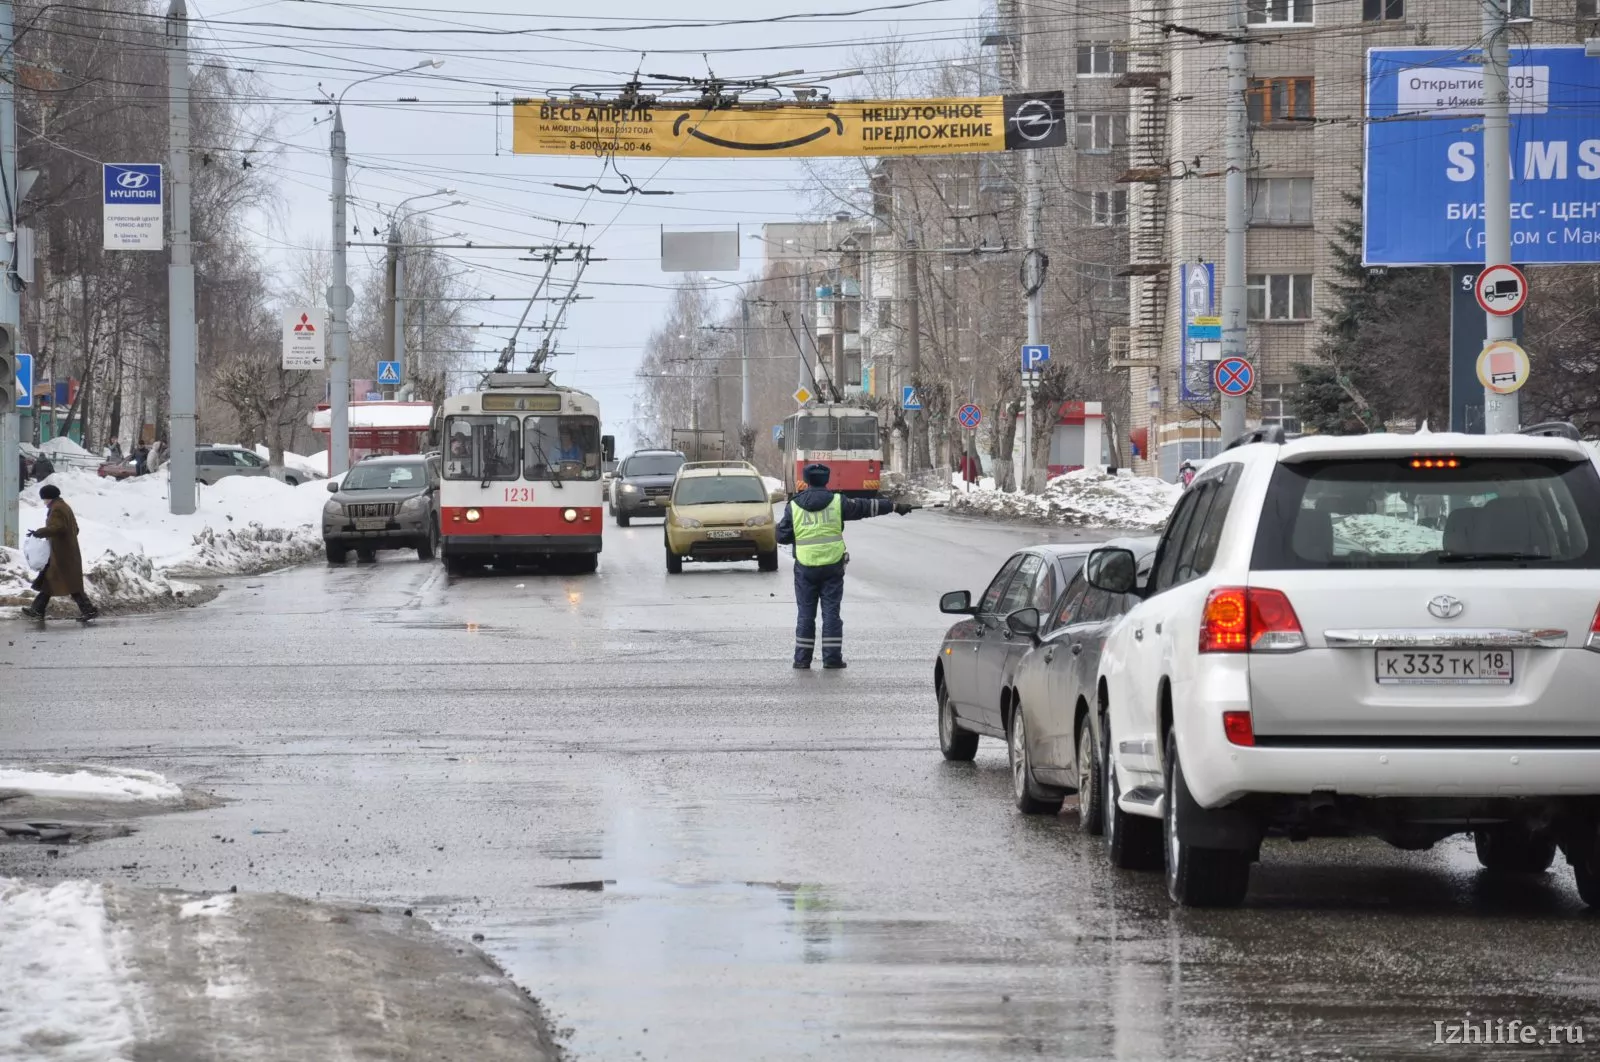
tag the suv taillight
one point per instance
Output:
(1593, 644)
(1241, 619)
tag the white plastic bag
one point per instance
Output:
(36, 551)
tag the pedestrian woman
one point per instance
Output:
(63, 575)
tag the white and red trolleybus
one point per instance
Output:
(521, 463)
(844, 438)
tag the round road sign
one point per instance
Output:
(1501, 290)
(1234, 376)
(971, 416)
(1503, 367)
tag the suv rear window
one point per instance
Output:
(1486, 512)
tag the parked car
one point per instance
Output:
(972, 676)
(213, 463)
(122, 468)
(1301, 660)
(643, 483)
(383, 503)
(721, 511)
(1056, 733)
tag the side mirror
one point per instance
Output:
(1116, 571)
(333, 488)
(608, 447)
(776, 496)
(1024, 621)
(956, 603)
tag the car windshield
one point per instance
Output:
(653, 464)
(718, 490)
(482, 447)
(1439, 512)
(384, 477)
(561, 448)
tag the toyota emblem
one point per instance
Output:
(1445, 607)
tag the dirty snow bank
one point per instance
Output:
(132, 545)
(63, 982)
(88, 782)
(1084, 498)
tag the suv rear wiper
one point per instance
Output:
(1488, 555)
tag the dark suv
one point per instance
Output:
(643, 484)
(387, 502)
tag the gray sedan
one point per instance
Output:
(1055, 740)
(383, 503)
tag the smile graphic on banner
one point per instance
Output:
(832, 129)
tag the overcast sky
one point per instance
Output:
(453, 136)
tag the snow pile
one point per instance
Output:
(131, 544)
(1084, 498)
(88, 782)
(62, 976)
(61, 446)
(1377, 533)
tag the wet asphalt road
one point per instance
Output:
(688, 851)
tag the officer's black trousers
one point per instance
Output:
(824, 585)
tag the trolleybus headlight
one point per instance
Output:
(473, 516)
(569, 515)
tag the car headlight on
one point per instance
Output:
(629, 488)
(473, 516)
(569, 515)
(333, 508)
(759, 521)
(686, 521)
(414, 505)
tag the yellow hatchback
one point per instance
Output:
(721, 511)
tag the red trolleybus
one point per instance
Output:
(521, 466)
(842, 437)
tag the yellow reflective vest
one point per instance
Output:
(818, 536)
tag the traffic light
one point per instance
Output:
(8, 367)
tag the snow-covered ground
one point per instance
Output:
(88, 782)
(132, 546)
(306, 467)
(1084, 498)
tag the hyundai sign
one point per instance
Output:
(131, 206)
(1423, 202)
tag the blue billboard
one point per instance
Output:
(1199, 330)
(1423, 200)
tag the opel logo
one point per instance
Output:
(133, 179)
(1445, 607)
(1034, 120)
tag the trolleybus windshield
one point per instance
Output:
(858, 433)
(482, 447)
(567, 446)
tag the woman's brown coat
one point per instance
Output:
(63, 576)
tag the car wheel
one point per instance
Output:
(1512, 849)
(335, 550)
(767, 562)
(674, 562)
(954, 742)
(1030, 797)
(1091, 782)
(1586, 874)
(291, 481)
(586, 563)
(430, 545)
(1133, 842)
(1198, 877)
(623, 519)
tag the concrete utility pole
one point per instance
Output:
(391, 285)
(10, 304)
(1032, 237)
(182, 336)
(916, 432)
(744, 370)
(836, 384)
(1500, 412)
(1236, 148)
(398, 322)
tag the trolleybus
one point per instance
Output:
(521, 462)
(844, 438)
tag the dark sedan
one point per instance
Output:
(972, 678)
(1055, 739)
(643, 484)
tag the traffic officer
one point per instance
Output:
(813, 523)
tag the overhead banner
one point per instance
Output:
(793, 130)
(131, 206)
(1424, 177)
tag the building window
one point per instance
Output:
(1586, 8)
(1520, 8)
(1102, 133)
(1280, 201)
(1101, 281)
(958, 191)
(1279, 296)
(1383, 10)
(1109, 208)
(1278, 12)
(1277, 408)
(1100, 59)
(1289, 101)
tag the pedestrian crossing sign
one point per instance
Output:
(909, 399)
(388, 372)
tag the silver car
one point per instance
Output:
(212, 463)
(384, 503)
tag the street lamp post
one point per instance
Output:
(339, 296)
(397, 308)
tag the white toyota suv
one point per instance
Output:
(1389, 635)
